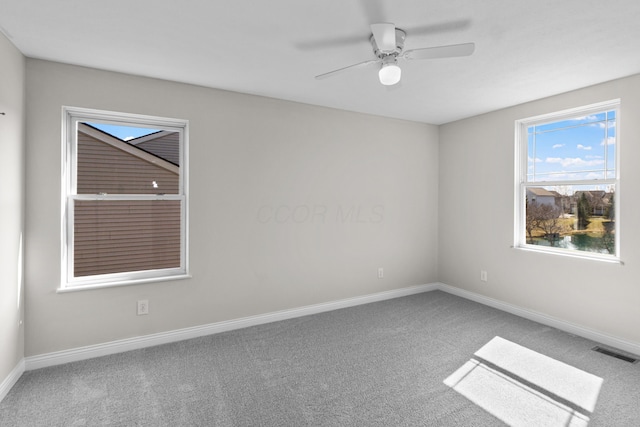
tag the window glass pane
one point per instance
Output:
(121, 236)
(589, 120)
(575, 149)
(146, 164)
(123, 132)
(531, 154)
(609, 143)
(574, 217)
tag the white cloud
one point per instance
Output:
(610, 124)
(557, 146)
(129, 138)
(610, 141)
(574, 161)
(536, 160)
(590, 118)
(583, 147)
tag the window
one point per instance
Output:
(567, 182)
(124, 198)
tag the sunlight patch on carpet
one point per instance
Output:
(524, 388)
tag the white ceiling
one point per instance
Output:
(525, 49)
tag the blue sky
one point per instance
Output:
(123, 132)
(581, 148)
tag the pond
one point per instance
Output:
(581, 242)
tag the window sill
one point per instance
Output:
(560, 252)
(102, 285)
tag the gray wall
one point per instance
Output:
(12, 142)
(476, 207)
(290, 205)
(294, 205)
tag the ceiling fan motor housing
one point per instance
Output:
(400, 37)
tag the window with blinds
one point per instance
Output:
(125, 198)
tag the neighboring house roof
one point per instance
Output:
(129, 148)
(539, 191)
(165, 144)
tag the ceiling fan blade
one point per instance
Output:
(349, 67)
(384, 34)
(464, 49)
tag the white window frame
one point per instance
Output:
(71, 116)
(521, 184)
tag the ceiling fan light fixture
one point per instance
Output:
(387, 42)
(390, 72)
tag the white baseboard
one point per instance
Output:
(12, 379)
(545, 319)
(119, 346)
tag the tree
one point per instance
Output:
(610, 210)
(533, 219)
(543, 217)
(565, 199)
(608, 238)
(550, 222)
(584, 212)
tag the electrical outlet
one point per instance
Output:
(143, 307)
(483, 276)
(380, 273)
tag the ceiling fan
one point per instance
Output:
(387, 42)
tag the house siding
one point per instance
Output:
(166, 146)
(103, 168)
(112, 236)
(120, 236)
